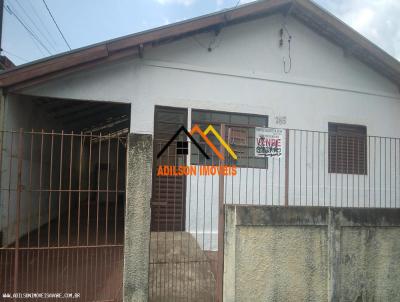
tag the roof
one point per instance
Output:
(5, 63)
(306, 11)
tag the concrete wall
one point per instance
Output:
(311, 254)
(137, 218)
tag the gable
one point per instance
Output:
(309, 13)
(249, 50)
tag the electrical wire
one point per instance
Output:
(290, 59)
(27, 28)
(212, 45)
(199, 43)
(42, 23)
(213, 42)
(54, 20)
(34, 24)
(287, 70)
(31, 35)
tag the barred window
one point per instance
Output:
(347, 148)
(239, 134)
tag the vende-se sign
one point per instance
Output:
(269, 142)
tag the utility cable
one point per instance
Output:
(54, 20)
(35, 12)
(12, 12)
(284, 29)
(34, 24)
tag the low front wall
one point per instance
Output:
(311, 254)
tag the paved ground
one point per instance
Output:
(50, 263)
(179, 269)
(92, 266)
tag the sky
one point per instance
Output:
(85, 22)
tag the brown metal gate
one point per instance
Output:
(185, 251)
(187, 264)
(62, 215)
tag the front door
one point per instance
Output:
(169, 192)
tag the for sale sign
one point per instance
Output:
(269, 142)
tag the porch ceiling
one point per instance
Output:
(85, 116)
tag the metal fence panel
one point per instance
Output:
(62, 214)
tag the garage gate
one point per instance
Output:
(62, 214)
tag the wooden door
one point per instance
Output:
(169, 192)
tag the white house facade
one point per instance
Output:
(273, 70)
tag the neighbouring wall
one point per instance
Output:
(311, 254)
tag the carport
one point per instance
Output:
(62, 197)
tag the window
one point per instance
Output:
(239, 134)
(182, 148)
(347, 149)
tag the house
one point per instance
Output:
(5, 63)
(277, 63)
